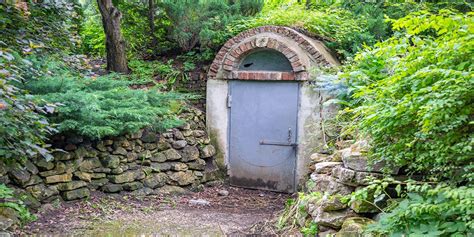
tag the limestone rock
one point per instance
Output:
(179, 144)
(44, 165)
(159, 157)
(120, 151)
(42, 192)
(327, 184)
(198, 164)
(97, 183)
(160, 167)
(126, 177)
(354, 226)
(132, 186)
(178, 166)
(325, 167)
(6, 223)
(208, 151)
(318, 157)
(76, 194)
(149, 137)
(35, 179)
(62, 178)
(345, 176)
(9, 217)
(20, 175)
(363, 207)
(171, 154)
(90, 164)
(333, 219)
(182, 178)
(155, 180)
(178, 135)
(331, 203)
(31, 167)
(83, 176)
(111, 162)
(355, 159)
(189, 153)
(199, 133)
(132, 156)
(71, 185)
(142, 192)
(62, 156)
(112, 188)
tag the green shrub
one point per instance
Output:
(104, 106)
(414, 93)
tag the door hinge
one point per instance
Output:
(229, 101)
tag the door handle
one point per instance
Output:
(272, 143)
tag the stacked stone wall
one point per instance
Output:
(143, 163)
(338, 175)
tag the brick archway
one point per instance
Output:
(301, 51)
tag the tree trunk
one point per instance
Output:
(151, 22)
(114, 44)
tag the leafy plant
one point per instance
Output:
(296, 215)
(413, 95)
(9, 200)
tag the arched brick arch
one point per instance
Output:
(228, 58)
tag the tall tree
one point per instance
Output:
(114, 44)
(151, 22)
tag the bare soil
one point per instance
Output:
(241, 212)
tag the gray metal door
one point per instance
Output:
(262, 149)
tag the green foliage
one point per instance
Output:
(23, 127)
(296, 214)
(42, 28)
(426, 210)
(413, 94)
(203, 22)
(104, 106)
(8, 200)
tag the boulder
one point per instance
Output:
(42, 192)
(171, 154)
(71, 185)
(112, 188)
(149, 136)
(333, 219)
(189, 153)
(132, 186)
(83, 176)
(90, 164)
(76, 194)
(198, 164)
(325, 167)
(142, 192)
(62, 178)
(126, 177)
(208, 151)
(159, 157)
(180, 144)
(111, 162)
(160, 167)
(44, 165)
(354, 226)
(155, 180)
(327, 184)
(183, 178)
(20, 175)
(178, 166)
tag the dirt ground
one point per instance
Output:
(241, 212)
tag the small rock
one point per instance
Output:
(179, 144)
(76, 194)
(62, 178)
(178, 166)
(132, 186)
(208, 151)
(199, 202)
(71, 185)
(112, 188)
(171, 190)
(190, 153)
(223, 192)
(20, 175)
(142, 192)
(325, 167)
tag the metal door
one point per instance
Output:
(262, 149)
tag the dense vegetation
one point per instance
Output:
(408, 76)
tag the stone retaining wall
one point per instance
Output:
(335, 176)
(143, 163)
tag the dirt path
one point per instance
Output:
(240, 212)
